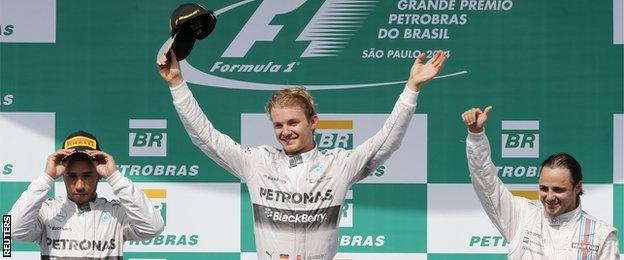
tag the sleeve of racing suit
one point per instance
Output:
(501, 206)
(26, 213)
(366, 157)
(218, 146)
(611, 249)
(140, 220)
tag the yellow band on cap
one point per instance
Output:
(185, 16)
(80, 141)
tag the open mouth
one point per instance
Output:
(552, 206)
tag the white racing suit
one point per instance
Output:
(65, 231)
(532, 233)
(296, 200)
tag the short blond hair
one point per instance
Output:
(293, 96)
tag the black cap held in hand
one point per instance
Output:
(189, 22)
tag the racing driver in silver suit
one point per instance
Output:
(82, 225)
(557, 229)
(297, 191)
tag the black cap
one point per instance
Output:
(81, 141)
(189, 22)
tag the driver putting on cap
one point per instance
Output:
(81, 225)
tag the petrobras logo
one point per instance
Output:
(28, 21)
(618, 148)
(334, 134)
(296, 197)
(520, 139)
(159, 200)
(147, 137)
(272, 42)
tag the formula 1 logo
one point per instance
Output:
(280, 43)
(327, 32)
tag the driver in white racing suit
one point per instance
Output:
(81, 225)
(557, 229)
(297, 192)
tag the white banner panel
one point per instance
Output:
(27, 139)
(618, 148)
(28, 21)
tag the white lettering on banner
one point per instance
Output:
(28, 21)
(269, 67)
(297, 218)
(362, 241)
(518, 171)
(159, 170)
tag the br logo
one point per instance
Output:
(520, 139)
(334, 134)
(147, 137)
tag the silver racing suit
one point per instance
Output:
(296, 199)
(532, 233)
(65, 231)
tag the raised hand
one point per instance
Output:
(169, 69)
(475, 119)
(55, 166)
(421, 72)
(104, 163)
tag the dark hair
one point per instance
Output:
(564, 160)
(78, 157)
